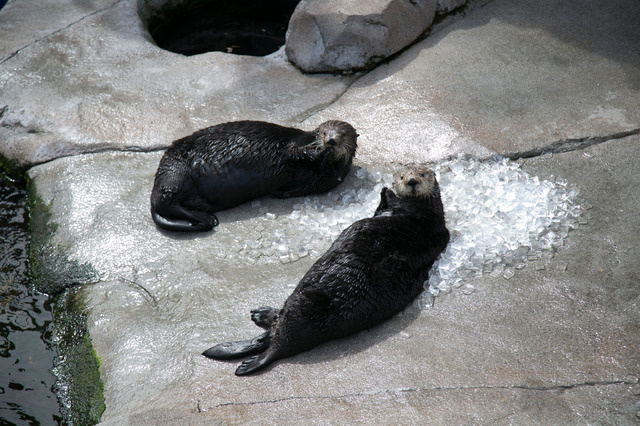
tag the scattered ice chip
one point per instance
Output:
(425, 300)
(508, 274)
(316, 221)
(539, 266)
(561, 266)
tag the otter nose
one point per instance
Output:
(412, 182)
(332, 142)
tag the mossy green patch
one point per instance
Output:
(13, 170)
(80, 388)
(81, 394)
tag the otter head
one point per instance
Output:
(415, 181)
(337, 136)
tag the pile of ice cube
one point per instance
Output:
(500, 219)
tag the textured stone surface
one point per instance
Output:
(348, 35)
(22, 25)
(508, 76)
(550, 346)
(99, 84)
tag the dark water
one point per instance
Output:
(242, 27)
(27, 386)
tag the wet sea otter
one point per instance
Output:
(372, 271)
(226, 165)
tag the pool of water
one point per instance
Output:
(27, 354)
(242, 27)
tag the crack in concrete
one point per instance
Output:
(556, 147)
(357, 75)
(104, 149)
(568, 145)
(11, 55)
(434, 389)
(101, 150)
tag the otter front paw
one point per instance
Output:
(388, 195)
(264, 317)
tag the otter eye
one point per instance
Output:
(421, 174)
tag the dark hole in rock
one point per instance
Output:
(243, 27)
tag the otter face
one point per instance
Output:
(414, 181)
(338, 136)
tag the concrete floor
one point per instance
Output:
(555, 85)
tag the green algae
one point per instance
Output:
(81, 392)
(11, 169)
(79, 387)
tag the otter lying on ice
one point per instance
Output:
(372, 271)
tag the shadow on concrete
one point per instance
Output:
(350, 345)
(608, 29)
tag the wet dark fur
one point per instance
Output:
(226, 165)
(372, 271)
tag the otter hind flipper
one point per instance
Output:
(239, 349)
(255, 363)
(265, 316)
(189, 221)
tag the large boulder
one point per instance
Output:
(351, 35)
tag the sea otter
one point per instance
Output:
(223, 166)
(374, 269)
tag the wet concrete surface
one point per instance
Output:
(553, 345)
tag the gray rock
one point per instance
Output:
(348, 35)
(163, 298)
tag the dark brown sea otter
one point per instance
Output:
(372, 271)
(226, 165)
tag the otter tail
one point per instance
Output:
(239, 349)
